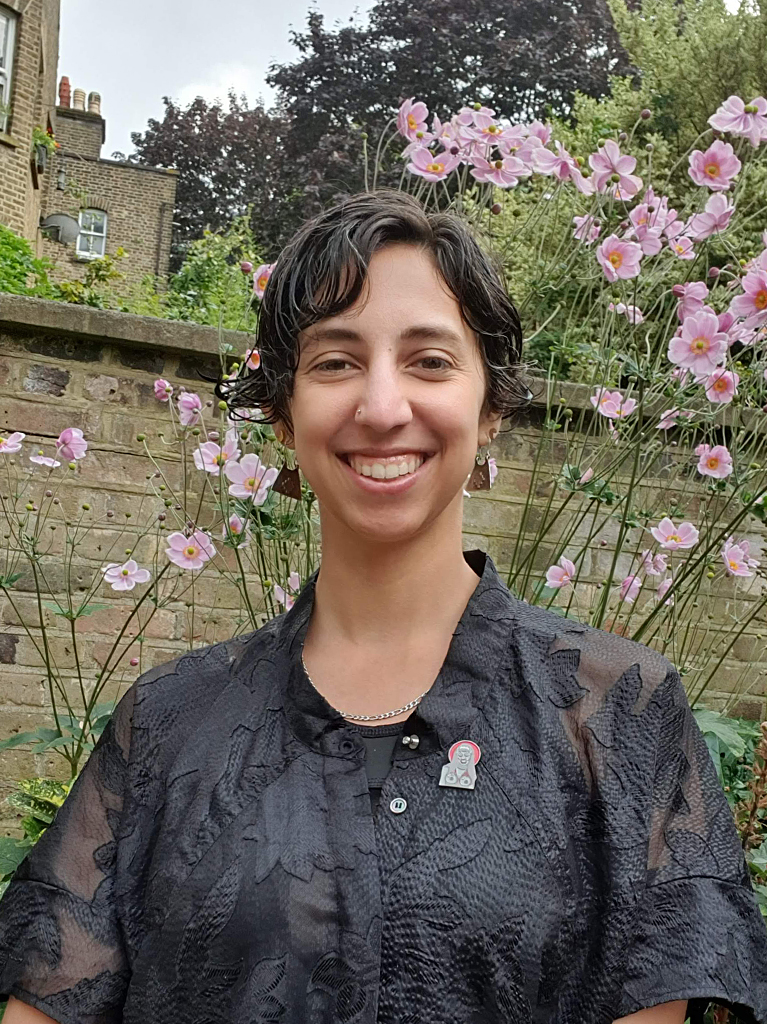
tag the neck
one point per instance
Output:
(373, 594)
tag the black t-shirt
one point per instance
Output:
(217, 860)
(380, 743)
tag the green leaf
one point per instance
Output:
(28, 737)
(12, 853)
(711, 722)
(95, 606)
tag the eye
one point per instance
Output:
(332, 365)
(435, 359)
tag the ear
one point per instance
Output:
(489, 426)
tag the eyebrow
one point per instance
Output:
(418, 332)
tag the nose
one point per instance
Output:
(382, 400)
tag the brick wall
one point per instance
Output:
(138, 201)
(66, 366)
(80, 131)
(33, 90)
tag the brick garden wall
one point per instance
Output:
(66, 366)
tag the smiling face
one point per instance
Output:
(403, 356)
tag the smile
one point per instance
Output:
(385, 468)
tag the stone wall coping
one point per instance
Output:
(19, 313)
(118, 163)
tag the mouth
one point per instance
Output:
(392, 473)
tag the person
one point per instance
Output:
(230, 852)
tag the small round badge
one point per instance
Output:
(460, 771)
(398, 805)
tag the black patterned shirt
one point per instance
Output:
(217, 860)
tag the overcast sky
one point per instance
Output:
(136, 53)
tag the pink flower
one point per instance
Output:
(246, 266)
(189, 408)
(630, 588)
(691, 296)
(559, 164)
(433, 166)
(539, 130)
(561, 575)
(716, 461)
(721, 385)
(210, 457)
(588, 475)
(663, 588)
(681, 246)
(12, 442)
(252, 359)
(163, 389)
(411, 118)
(653, 565)
(715, 218)
(260, 279)
(586, 228)
(737, 118)
(716, 167)
(609, 161)
(701, 346)
(236, 526)
(493, 469)
(190, 552)
(736, 560)
(649, 237)
(633, 313)
(70, 444)
(505, 173)
(618, 258)
(250, 478)
(671, 538)
(44, 460)
(612, 404)
(294, 583)
(753, 302)
(125, 576)
(668, 419)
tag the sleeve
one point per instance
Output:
(61, 946)
(698, 933)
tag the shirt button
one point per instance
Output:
(398, 805)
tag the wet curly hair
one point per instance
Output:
(321, 272)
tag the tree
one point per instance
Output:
(522, 57)
(229, 159)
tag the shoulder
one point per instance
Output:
(598, 660)
(170, 700)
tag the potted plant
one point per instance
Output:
(43, 145)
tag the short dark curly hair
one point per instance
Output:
(321, 272)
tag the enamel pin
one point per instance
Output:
(461, 770)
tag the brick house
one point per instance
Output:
(118, 204)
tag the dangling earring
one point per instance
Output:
(480, 475)
(288, 481)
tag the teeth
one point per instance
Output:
(385, 469)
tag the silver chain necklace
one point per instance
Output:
(372, 718)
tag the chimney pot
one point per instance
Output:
(65, 92)
(94, 103)
(78, 99)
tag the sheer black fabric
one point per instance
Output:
(217, 861)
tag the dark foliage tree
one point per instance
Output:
(521, 57)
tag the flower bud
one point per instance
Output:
(496, 208)
(678, 290)
(713, 272)
(222, 405)
(454, 150)
(649, 147)
(622, 137)
(246, 267)
(134, 662)
(646, 114)
(363, 135)
(140, 437)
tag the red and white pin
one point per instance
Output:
(461, 769)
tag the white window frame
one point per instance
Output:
(88, 233)
(10, 18)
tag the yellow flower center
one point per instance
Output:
(712, 170)
(125, 572)
(435, 168)
(262, 281)
(616, 259)
(251, 481)
(760, 299)
(700, 344)
(712, 463)
(733, 564)
(675, 537)
(720, 384)
(190, 551)
(491, 130)
(411, 121)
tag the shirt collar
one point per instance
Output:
(471, 664)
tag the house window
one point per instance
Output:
(91, 242)
(7, 37)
